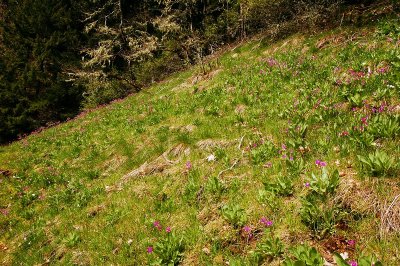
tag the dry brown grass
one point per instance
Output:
(362, 198)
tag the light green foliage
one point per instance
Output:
(168, 250)
(270, 247)
(304, 256)
(324, 183)
(320, 217)
(282, 186)
(264, 152)
(234, 214)
(384, 126)
(377, 163)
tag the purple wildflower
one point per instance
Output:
(5, 212)
(188, 165)
(266, 222)
(351, 242)
(247, 229)
(353, 263)
(168, 229)
(157, 225)
(307, 185)
(320, 163)
(149, 250)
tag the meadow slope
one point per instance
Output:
(258, 157)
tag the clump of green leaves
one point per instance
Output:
(269, 198)
(324, 183)
(168, 250)
(384, 126)
(295, 166)
(378, 163)
(320, 216)
(282, 186)
(234, 214)
(263, 153)
(215, 186)
(271, 247)
(304, 256)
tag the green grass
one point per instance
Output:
(270, 112)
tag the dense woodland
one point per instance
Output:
(59, 57)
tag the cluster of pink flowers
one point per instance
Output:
(157, 225)
(320, 163)
(266, 222)
(268, 165)
(150, 249)
(351, 242)
(353, 263)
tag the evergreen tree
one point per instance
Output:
(40, 39)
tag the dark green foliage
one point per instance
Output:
(39, 47)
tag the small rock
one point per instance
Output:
(206, 251)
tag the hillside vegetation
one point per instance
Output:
(273, 153)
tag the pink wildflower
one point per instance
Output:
(353, 263)
(149, 250)
(157, 225)
(188, 165)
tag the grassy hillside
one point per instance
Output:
(256, 157)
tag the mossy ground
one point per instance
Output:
(259, 106)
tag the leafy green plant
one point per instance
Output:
(377, 163)
(385, 126)
(169, 250)
(234, 214)
(263, 153)
(383, 93)
(215, 186)
(269, 198)
(356, 100)
(362, 139)
(304, 255)
(282, 186)
(297, 133)
(325, 183)
(363, 261)
(320, 217)
(72, 239)
(295, 166)
(271, 247)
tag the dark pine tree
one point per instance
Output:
(39, 45)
